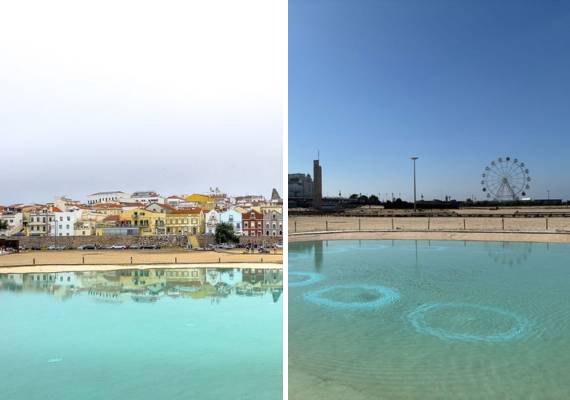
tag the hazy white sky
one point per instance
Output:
(175, 96)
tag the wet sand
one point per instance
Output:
(434, 235)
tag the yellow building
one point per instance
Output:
(150, 223)
(185, 221)
(202, 200)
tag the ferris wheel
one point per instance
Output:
(505, 179)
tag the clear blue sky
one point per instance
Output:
(458, 83)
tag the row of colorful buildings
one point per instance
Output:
(146, 214)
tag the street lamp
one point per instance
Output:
(414, 160)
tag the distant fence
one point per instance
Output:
(498, 224)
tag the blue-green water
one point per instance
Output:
(429, 320)
(174, 334)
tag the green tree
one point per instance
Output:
(3, 225)
(353, 196)
(373, 199)
(225, 233)
(363, 198)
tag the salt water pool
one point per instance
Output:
(429, 320)
(141, 334)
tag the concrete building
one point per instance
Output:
(249, 200)
(147, 197)
(38, 222)
(108, 197)
(272, 221)
(318, 184)
(66, 204)
(304, 191)
(174, 201)
(300, 187)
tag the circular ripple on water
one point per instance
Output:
(305, 278)
(350, 297)
(511, 327)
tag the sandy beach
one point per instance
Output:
(74, 260)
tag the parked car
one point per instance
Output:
(87, 247)
(150, 246)
(118, 247)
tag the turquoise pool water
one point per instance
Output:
(429, 320)
(154, 334)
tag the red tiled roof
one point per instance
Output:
(106, 205)
(192, 210)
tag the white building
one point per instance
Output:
(147, 197)
(108, 197)
(212, 221)
(64, 222)
(15, 222)
(175, 201)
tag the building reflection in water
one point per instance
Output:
(319, 255)
(510, 253)
(150, 285)
(313, 251)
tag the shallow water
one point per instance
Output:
(429, 320)
(175, 334)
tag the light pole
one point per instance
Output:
(548, 194)
(414, 160)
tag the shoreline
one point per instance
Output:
(483, 236)
(76, 260)
(25, 269)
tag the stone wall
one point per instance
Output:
(260, 240)
(73, 242)
(164, 241)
